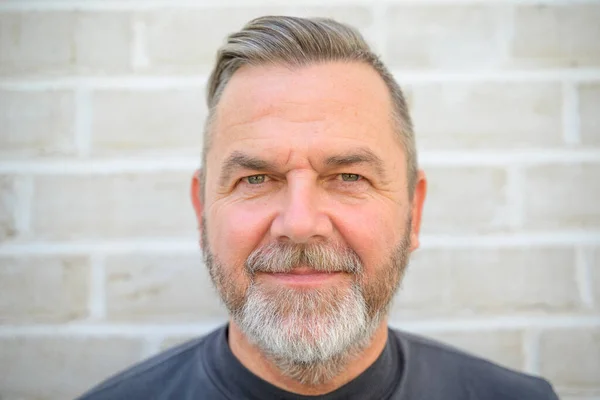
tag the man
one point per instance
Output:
(309, 204)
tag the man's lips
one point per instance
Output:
(303, 277)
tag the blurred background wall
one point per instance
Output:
(101, 113)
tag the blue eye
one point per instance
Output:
(256, 179)
(350, 177)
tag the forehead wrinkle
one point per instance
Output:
(294, 111)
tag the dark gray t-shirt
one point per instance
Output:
(409, 368)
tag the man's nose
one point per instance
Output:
(301, 218)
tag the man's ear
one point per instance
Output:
(417, 209)
(197, 198)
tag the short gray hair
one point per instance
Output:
(297, 42)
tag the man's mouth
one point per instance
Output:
(304, 277)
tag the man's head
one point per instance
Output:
(309, 200)
(296, 43)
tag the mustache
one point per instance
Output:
(281, 257)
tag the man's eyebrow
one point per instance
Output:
(239, 160)
(358, 156)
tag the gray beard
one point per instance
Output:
(309, 335)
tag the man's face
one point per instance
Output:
(306, 219)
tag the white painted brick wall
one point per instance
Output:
(101, 112)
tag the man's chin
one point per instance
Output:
(312, 349)
(308, 326)
(309, 330)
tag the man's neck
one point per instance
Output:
(255, 361)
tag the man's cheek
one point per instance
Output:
(240, 231)
(366, 231)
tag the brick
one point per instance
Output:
(113, 206)
(465, 200)
(127, 121)
(591, 257)
(490, 115)
(424, 288)
(503, 347)
(186, 41)
(43, 289)
(450, 37)
(103, 41)
(8, 204)
(515, 279)
(36, 42)
(160, 288)
(496, 281)
(562, 196)
(589, 104)
(577, 393)
(571, 357)
(37, 123)
(556, 35)
(56, 42)
(60, 368)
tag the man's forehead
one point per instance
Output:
(302, 93)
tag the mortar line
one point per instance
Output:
(570, 114)
(140, 5)
(380, 28)
(97, 295)
(510, 33)
(139, 57)
(583, 277)
(531, 351)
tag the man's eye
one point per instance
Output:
(350, 177)
(256, 179)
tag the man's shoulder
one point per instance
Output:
(156, 374)
(431, 363)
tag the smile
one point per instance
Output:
(303, 277)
